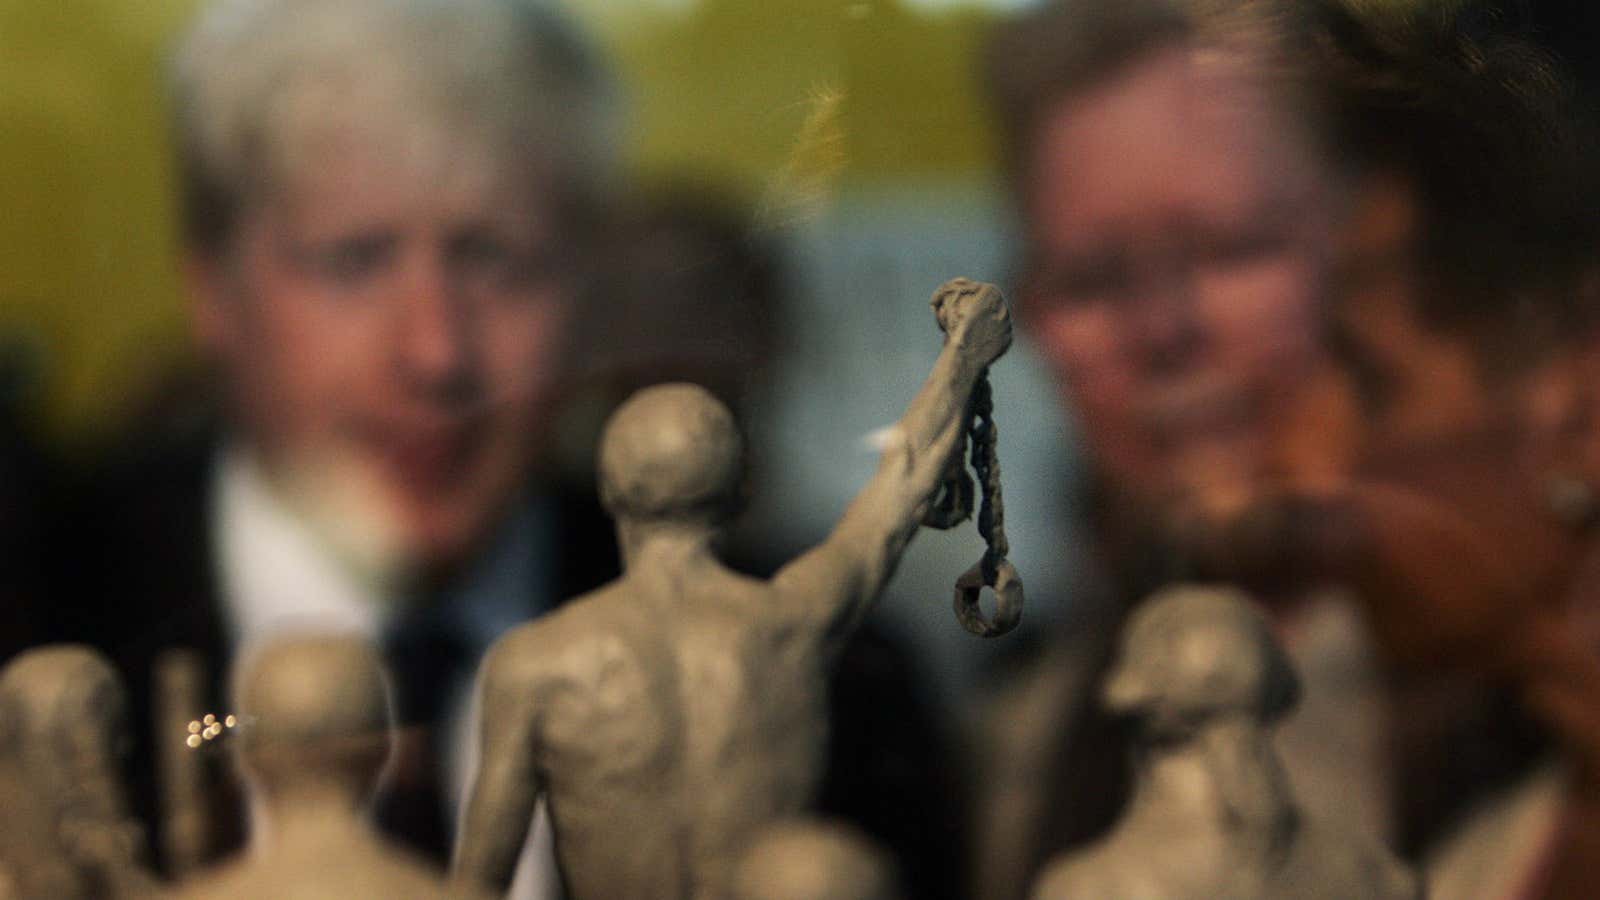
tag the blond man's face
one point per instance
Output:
(390, 333)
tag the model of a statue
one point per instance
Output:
(313, 738)
(33, 862)
(671, 714)
(1212, 814)
(61, 778)
(808, 859)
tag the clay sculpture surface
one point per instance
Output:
(313, 736)
(1212, 814)
(672, 714)
(63, 731)
(809, 859)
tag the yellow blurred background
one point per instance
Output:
(784, 101)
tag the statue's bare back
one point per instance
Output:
(635, 718)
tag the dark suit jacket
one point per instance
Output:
(28, 505)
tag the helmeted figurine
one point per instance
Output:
(1212, 813)
(63, 730)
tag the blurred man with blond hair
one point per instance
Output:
(386, 207)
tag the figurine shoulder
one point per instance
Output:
(232, 879)
(1351, 865)
(555, 646)
(1110, 868)
(1073, 878)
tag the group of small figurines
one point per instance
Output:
(674, 720)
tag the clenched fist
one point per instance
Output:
(976, 317)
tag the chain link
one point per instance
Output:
(953, 505)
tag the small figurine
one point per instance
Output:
(673, 713)
(312, 736)
(814, 860)
(33, 862)
(61, 777)
(1211, 813)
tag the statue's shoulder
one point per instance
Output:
(390, 870)
(232, 879)
(1071, 878)
(1342, 863)
(1109, 867)
(552, 645)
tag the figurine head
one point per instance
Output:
(316, 714)
(806, 860)
(69, 715)
(1193, 654)
(388, 208)
(672, 453)
(68, 733)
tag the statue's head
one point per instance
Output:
(672, 453)
(66, 731)
(316, 714)
(1192, 654)
(69, 713)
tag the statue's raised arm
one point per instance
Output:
(842, 577)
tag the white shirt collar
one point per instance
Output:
(277, 575)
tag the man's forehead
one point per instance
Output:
(1172, 130)
(427, 156)
(324, 203)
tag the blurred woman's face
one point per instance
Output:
(390, 332)
(1178, 231)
